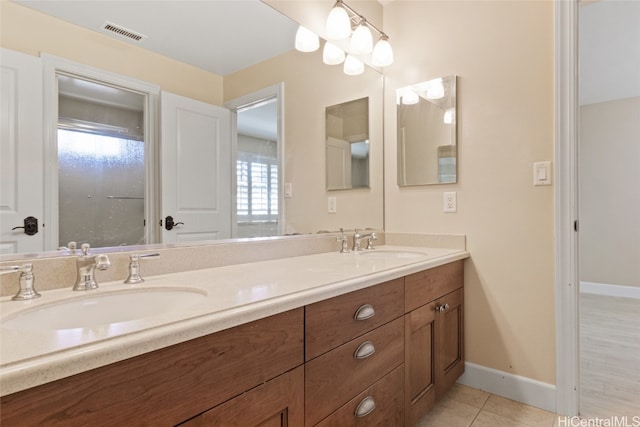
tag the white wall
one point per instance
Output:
(503, 55)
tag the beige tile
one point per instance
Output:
(471, 396)
(488, 419)
(449, 413)
(518, 412)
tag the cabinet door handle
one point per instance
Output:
(364, 312)
(364, 350)
(365, 407)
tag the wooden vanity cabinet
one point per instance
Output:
(354, 341)
(434, 336)
(174, 384)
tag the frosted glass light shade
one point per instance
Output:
(361, 40)
(410, 97)
(306, 40)
(332, 54)
(353, 66)
(382, 54)
(338, 25)
(435, 90)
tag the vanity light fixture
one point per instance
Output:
(344, 22)
(332, 54)
(306, 40)
(361, 39)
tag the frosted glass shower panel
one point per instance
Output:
(101, 189)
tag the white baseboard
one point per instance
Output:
(514, 387)
(610, 290)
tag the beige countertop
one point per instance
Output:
(235, 294)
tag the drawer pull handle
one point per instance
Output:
(442, 308)
(364, 312)
(364, 350)
(365, 407)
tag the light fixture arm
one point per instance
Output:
(363, 20)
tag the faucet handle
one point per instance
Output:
(134, 268)
(26, 290)
(370, 240)
(345, 244)
(85, 248)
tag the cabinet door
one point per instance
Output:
(420, 332)
(449, 340)
(276, 403)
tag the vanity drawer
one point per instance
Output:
(335, 321)
(387, 397)
(425, 286)
(334, 378)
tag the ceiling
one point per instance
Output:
(220, 36)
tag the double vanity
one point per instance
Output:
(373, 337)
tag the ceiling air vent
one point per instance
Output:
(121, 31)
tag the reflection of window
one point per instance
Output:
(257, 198)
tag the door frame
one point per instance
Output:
(273, 91)
(52, 66)
(566, 207)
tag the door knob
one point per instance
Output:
(30, 226)
(169, 223)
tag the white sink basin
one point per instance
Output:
(390, 254)
(104, 308)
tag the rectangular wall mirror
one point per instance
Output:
(347, 145)
(427, 151)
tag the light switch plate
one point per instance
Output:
(542, 173)
(288, 190)
(332, 204)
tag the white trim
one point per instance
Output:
(277, 91)
(609, 290)
(54, 65)
(566, 206)
(514, 387)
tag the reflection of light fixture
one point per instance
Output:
(340, 26)
(436, 89)
(409, 97)
(449, 116)
(306, 40)
(353, 66)
(361, 39)
(332, 54)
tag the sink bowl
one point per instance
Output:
(104, 309)
(392, 254)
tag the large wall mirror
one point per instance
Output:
(427, 150)
(303, 131)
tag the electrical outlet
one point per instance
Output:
(332, 204)
(450, 202)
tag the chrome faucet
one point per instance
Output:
(26, 289)
(344, 247)
(87, 265)
(357, 238)
(134, 268)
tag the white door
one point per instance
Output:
(195, 170)
(21, 148)
(338, 164)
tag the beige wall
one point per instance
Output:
(502, 53)
(310, 87)
(31, 32)
(609, 192)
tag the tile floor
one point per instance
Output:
(469, 407)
